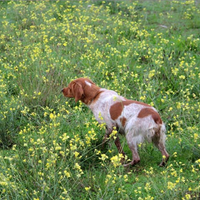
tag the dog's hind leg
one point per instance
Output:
(159, 141)
(132, 143)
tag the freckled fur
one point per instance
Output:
(116, 109)
(137, 120)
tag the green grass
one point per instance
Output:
(144, 50)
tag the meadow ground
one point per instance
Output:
(147, 50)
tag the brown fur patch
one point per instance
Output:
(123, 121)
(149, 111)
(116, 109)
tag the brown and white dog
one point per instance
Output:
(137, 120)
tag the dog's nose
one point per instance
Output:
(62, 90)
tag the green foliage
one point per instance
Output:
(51, 147)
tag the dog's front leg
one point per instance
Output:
(117, 142)
(106, 136)
(120, 149)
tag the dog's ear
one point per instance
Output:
(78, 91)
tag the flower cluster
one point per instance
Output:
(51, 147)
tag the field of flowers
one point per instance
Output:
(50, 146)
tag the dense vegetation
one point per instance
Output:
(146, 50)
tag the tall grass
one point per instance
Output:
(144, 50)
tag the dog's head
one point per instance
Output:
(81, 89)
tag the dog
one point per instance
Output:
(138, 121)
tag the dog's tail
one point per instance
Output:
(161, 132)
(157, 131)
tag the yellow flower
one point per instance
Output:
(30, 149)
(76, 154)
(170, 185)
(182, 77)
(178, 105)
(116, 160)
(67, 174)
(197, 161)
(125, 177)
(52, 116)
(142, 98)
(196, 136)
(187, 197)
(114, 98)
(58, 147)
(87, 188)
(100, 116)
(170, 109)
(151, 73)
(114, 133)
(103, 157)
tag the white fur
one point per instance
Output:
(134, 126)
(101, 108)
(88, 83)
(136, 130)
